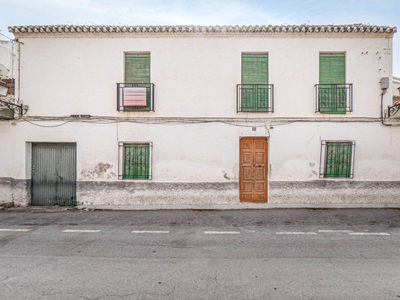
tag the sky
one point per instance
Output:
(204, 12)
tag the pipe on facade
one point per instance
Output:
(382, 119)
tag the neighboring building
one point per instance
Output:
(395, 108)
(6, 58)
(6, 80)
(124, 115)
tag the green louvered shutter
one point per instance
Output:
(338, 159)
(137, 161)
(137, 68)
(332, 79)
(254, 71)
(137, 73)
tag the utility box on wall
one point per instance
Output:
(384, 83)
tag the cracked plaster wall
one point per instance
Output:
(17, 191)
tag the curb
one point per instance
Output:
(239, 206)
(4, 205)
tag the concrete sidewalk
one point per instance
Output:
(241, 206)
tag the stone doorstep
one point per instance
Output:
(4, 205)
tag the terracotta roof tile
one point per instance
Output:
(185, 29)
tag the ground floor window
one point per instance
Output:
(135, 160)
(337, 159)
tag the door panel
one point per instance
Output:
(253, 169)
(53, 173)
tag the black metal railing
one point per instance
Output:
(255, 97)
(334, 98)
(392, 110)
(11, 107)
(122, 104)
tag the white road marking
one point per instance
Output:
(221, 232)
(332, 231)
(80, 230)
(368, 233)
(17, 230)
(288, 232)
(149, 231)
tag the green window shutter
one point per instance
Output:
(137, 68)
(332, 79)
(254, 71)
(137, 72)
(254, 68)
(136, 161)
(338, 159)
(332, 69)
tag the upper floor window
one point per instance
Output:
(137, 92)
(334, 95)
(254, 94)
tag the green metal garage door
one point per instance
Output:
(53, 173)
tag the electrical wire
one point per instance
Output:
(58, 125)
(6, 36)
(249, 123)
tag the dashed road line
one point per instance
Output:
(16, 230)
(300, 232)
(80, 230)
(221, 232)
(369, 233)
(334, 231)
(149, 231)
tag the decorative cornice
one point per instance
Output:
(206, 30)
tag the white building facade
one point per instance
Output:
(202, 115)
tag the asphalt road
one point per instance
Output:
(259, 254)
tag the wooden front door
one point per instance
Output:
(253, 183)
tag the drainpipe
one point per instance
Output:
(384, 86)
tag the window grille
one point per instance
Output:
(255, 97)
(135, 160)
(337, 159)
(149, 97)
(334, 98)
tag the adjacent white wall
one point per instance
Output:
(206, 152)
(194, 77)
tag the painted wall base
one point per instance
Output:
(319, 191)
(147, 193)
(17, 191)
(114, 193)
(326, 191)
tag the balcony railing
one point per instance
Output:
(334, 98)
(255, 98)
(135, 96)
(394, 111)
